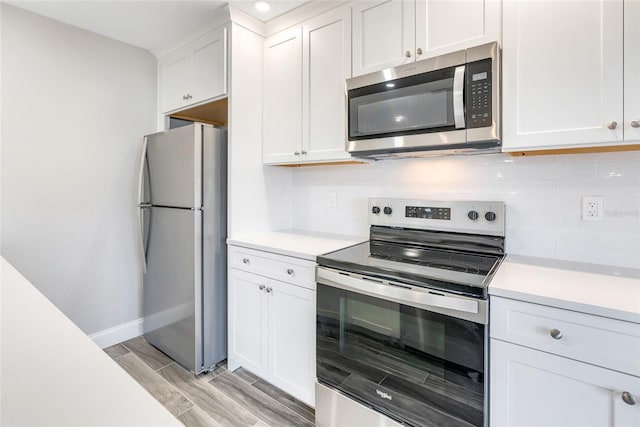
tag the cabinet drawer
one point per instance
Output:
(610, 343)
(287, 269)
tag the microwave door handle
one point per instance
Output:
(458, 97)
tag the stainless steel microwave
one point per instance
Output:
(443, 105)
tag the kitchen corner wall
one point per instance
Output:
(542, 196)
(75, 106)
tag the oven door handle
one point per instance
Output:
(457, 306)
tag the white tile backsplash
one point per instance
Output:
(542, 194)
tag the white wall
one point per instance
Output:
(542, 195)
(74, 108)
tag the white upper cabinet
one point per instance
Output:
(326, 65)
(282, 101)
(562, 63)
(632, 71)
(195, 73)
(383, 34)
(304, 99)
(393, 32)
(444, 26)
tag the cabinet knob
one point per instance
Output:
(408, 54)
(635, 124)
(629, 398)
(245, 261)
(418, 51)
(296, 153)
(612, 125)
(555, 334)
(304, 153)
(269, 290)
(290, 271)
(261, 287)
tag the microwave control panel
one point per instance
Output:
(478, 85)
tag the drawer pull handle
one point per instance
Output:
(269, 290)
(555, 334)
(290, 271)
(261, 287)
(245, 261)
(629, 398)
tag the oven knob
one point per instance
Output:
(473, 215)
(490, 216)
(387, 210)
(375, 210)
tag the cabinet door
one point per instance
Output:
(282, 104)
(326, 63)
(210, 66)
(562, 73)
(292, 340)
(247, 322)
(632, 71)
(175, 81)
(533, 388)
(444, 26)
(383, 34)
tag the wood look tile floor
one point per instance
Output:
(218, 398)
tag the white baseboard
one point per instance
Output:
(117, 334)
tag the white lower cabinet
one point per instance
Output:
(529, 387)
(247, 322)
(272, 322)
(291, 339)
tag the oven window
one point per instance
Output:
(420, 367)
(411, 105)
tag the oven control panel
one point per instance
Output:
(427, 212)
(478, 217)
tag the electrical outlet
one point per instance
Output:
(333, 199)
(592, 208)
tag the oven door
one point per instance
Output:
(413, 355)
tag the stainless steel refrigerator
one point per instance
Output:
(183, 217)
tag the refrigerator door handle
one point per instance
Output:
(143, 244)
(143, 164)
(142, 205)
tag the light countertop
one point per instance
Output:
(595, 289)
(296, 243)
(53, 374)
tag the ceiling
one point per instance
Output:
(149, 24)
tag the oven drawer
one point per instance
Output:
(602, 341)
(287, 269)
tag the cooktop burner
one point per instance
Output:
(442, 259)
(453, 267)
